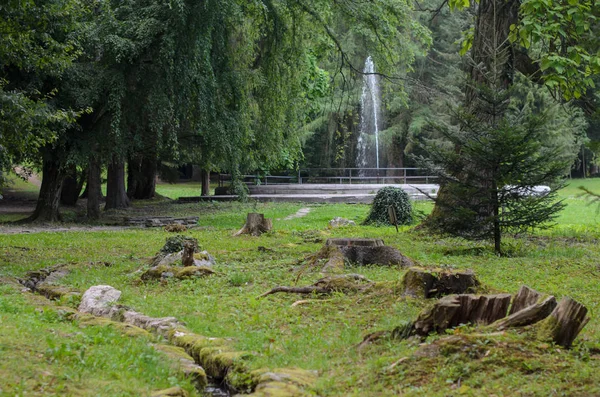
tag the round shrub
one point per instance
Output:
(383, 199)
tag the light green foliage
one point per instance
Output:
(561, 37)
(386, 197)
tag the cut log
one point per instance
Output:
(255, 225)
(525, 297)
(530, 315)
(564, 323)
(454, 310)
(422, 283)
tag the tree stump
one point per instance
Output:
(187, 258)
(525, 297)
(418, 283)
(422, 283)
(564, 323)
(361, 242)
(454, 310)
(255, 225)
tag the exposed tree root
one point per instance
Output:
(327, 285)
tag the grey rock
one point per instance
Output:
(206, 260)
(170, 259)
(340, 222)
(99, 299)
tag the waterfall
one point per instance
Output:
(370, 107)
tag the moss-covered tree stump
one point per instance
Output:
(423, 283)
(564, 323)
(357, 251)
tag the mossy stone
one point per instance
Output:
(176, 391)
(278, 389)
(192, 271)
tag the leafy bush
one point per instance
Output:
(383, 199)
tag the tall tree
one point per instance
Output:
(548, 41)
(36, 46)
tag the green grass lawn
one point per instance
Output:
(322, 335)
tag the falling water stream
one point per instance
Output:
(370, 107)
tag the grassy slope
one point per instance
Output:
(321, 335)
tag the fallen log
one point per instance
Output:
(256, 224)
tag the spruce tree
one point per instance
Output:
(490, 159)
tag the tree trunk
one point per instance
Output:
(93, 188)
(48, 201)
(256, 224)
(205, 176)
(72, 185)
(492, 28)
(116, 195)
(141, 177)
(496, 212)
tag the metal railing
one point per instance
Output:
(339, 175)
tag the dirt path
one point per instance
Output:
(53, 228)
(302, 212)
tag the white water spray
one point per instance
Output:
(370, 103)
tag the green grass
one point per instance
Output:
(321, 335)
(43, 353)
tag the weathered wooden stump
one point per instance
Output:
(564, 323)
(256, 224)
(557, 323)
(187, 257)
(527, 316)
(525, 297)
(454, 310)
(422, 283)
